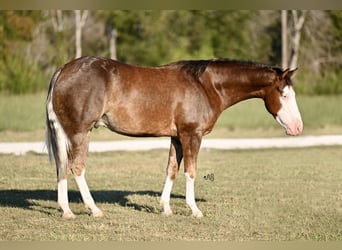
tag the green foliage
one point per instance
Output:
(158, 37)
(32, 47)
(328, 83)
(18, 24)
(22, 77)
(18, 72)
(336, 18)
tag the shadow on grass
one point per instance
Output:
(25, 199)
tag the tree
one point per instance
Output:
(57, 20)
(19, 69)
(298, 22)
(80, 18)
(298, 18)
(284, 49)
(112, 34)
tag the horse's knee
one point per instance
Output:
(191, 172)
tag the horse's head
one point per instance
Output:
(280, 101)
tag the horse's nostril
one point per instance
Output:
(299, 127)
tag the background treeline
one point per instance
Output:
(34, 43)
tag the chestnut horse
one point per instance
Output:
(181, 100)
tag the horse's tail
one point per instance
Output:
(57, 141)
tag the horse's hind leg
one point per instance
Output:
(80, 145)
(63, 200)
(86, 196)
(175, 158)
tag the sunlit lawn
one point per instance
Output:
(273, 194)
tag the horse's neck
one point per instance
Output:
(235, 87)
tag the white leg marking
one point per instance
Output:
(190, 196)
(63, 199)
(165, 197)
(86, 196)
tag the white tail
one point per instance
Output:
(57, 141)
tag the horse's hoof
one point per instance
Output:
(197, 214)
(167, 213)
(97, 214)
(68, 215)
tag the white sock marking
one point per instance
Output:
(165, 197)
(86, 196)
(190, 196)
(63, 198)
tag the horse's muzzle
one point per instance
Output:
(295, 128)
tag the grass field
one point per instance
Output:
(22, 118)
(273, 194)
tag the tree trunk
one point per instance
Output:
(298, 23)
(57, 20)
(80, 19)
(284, 49)
(112, 43)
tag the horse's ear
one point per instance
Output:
(291, 72)
(288, 73)
(284, 74)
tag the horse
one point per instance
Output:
(181, 100)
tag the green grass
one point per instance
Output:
(269, 194)
(22, 112)
(22, 118)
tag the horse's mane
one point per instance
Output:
(195, 68)
(245, 63)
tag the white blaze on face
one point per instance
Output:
(289, 116)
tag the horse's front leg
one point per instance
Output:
(191, 145)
